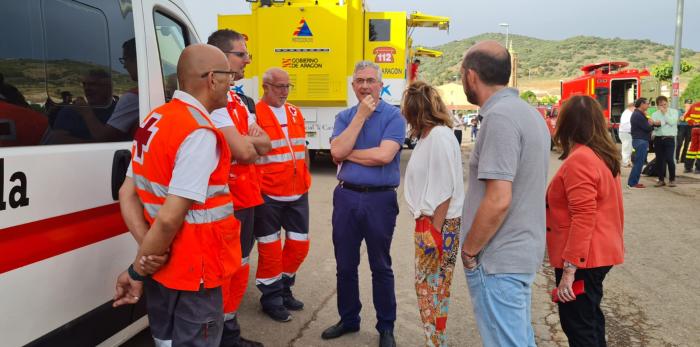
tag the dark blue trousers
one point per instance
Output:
(370, 216)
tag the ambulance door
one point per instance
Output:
(69, 103)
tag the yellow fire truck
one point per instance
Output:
(318, 42)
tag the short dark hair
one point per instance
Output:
(640, 101)
(661, 98)
(492, 69)
(222, 38)
(129, 47)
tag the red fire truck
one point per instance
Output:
(612, 85)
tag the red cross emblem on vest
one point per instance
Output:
(143, 137)
(293, 112)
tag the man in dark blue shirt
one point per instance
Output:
(366, 144)
(641, 135)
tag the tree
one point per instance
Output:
(692, 91)
(664, 71)
(529, 96)
(549, 99)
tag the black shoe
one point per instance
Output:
(247, 343)
(386, 339)
(337, 331)
(278, 313)
(291, 303)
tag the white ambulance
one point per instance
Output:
(75, 78)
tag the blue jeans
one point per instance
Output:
(502, 307)
(640, 155)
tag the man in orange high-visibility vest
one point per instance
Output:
(692, 116)
(246, 141)
(284, 182)
(176, 198)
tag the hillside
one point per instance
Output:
(551, 59)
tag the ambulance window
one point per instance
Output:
(380, 29)
(62, 72)
(172, 39)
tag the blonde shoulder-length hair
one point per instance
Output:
(423, 108)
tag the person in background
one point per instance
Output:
(683, 138)
(585, 218)
(414, 70)
(665, 141)
(475, 127)
(457, 126)
(625, 136)
(640, 128)
(692, 117)
(434, 191)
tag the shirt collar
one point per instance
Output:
(189, 99)
(503, 93)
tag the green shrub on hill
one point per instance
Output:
(556, 59)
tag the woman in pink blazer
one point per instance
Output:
(584, 218)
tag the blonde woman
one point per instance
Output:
(434, 191)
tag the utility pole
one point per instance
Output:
(507, 29)
(677, 56)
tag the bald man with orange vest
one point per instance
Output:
(284, 182)
(176, 199)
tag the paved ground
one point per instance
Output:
(651, 300)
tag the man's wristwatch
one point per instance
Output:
(135, 275)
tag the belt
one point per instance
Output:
(366, 189)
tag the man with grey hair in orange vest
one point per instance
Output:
(284, 183)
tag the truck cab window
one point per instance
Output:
(380, 29)
(63, 73)
(172, 40)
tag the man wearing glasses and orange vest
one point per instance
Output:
(176, 198)
(246, 141)
(284, 182)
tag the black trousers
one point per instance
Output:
(682, 142)
(664, 157)
(582, 320)
(458, 134)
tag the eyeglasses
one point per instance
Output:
(281, 86)
(242, 55)
(231, 74)
(361, 81)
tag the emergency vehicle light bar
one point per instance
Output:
(425, 52)
(418, 19)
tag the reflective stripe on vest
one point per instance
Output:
(203, 216)
(161, 191)
(280, 158)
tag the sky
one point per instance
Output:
(545, 19)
